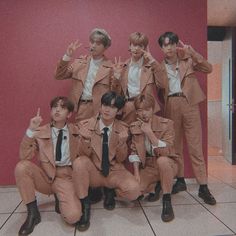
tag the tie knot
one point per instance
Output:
(105, 129)
(60, 131)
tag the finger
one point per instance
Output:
(119, 60)
(115, 60)
(38, 112)
(140, 120)
(181, 43)
(148, 49)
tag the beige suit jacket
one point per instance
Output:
(42, 146)
(77, 71)
(188, 65)
(163, 130)
(147, 82)
(92, 147)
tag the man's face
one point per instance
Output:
(136, 51)
(168, 48)
(145, 114)
(97, 49)
(59, 113)
(108, 113)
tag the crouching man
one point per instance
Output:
(56, 145)
(153, 153)
(102, 150)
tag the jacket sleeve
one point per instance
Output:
(160, 75)
(122, 148)
(84, 147)
(64, 70)
(28, 148)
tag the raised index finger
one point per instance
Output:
(181, 43)
(38, 112)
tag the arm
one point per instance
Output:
(29, 145)
(64, 68)
(116, 77)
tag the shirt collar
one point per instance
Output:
(65, 128)
(101, 126)
(139, 63)
(97, 62)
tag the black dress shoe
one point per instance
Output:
(178, 187)
(32, 219)
(57, 208)
(109, 200)
(207, 197)
(84, 222)
(167, 211)
(95, 195)
(152, 197)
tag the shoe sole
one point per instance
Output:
(83, 228)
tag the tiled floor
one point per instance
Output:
(192, 216)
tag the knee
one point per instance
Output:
(134, 190)
(71, 216)
(163, 163)
(22, 167)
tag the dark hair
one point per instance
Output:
(66, 103)
(144, 102)
(171, 36)
(109, 96)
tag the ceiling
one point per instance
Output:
(221, 13)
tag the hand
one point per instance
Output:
(35, 121)
(184, 49)
(148, 56)
(72, 48)
(84, 131)
(145, 126)
(117, 68)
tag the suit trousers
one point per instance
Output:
(187, 121)
(86, 174)
(162, 169)
(30, 177)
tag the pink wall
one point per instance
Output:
(35, 34)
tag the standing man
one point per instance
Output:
(182, 97)
(102, 150)
(135, 76)
(56, 145)
(91, 75)
(153, 154)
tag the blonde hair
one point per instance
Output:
(144, 102)
(103, 35)
(138, 38)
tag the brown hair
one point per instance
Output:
(138, 38)
(144, 102)
(103, 35)
(66, 103)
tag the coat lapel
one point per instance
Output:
(103, 71)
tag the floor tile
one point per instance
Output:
(9, 201)
(190, 220)
(3, 218)
(51, 225)
(226, 212)
(7, 189)
(119, 222)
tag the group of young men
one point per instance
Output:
(116, 106)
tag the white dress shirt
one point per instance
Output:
(134, 77)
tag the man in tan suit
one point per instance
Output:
(135, 76)
(56, 145)
(91, 75)
(176, 75)
(153, 154)
(102, 150)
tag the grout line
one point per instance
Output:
(10, 215)
(147, 219)
(211, 212)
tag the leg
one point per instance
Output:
(29, 177)
(63, 187)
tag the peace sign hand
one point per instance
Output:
(148, 56)
(35, 121)
(72, 48)
(117, 68)
(184, 49)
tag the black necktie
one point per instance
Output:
(105, 153)
(58, 145)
